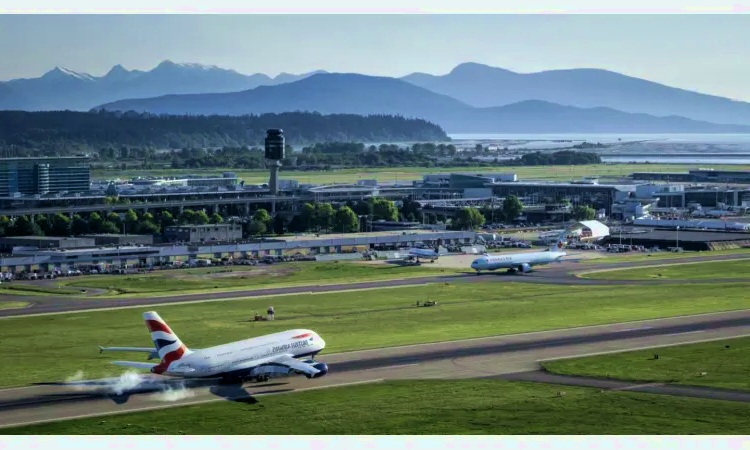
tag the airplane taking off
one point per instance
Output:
(255, 359)
(521, 262)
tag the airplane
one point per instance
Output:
(255, 359)
(520, 262)
(416, 253)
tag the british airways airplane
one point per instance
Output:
(521, 262)
(256, 359)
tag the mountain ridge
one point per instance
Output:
(342, 93)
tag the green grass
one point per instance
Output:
(681, 271)
(487, 407)
(415, 173)
(13, 305)
(179, 281)
(31, 289)
(684, 364)
(639, 257)
(348, 321)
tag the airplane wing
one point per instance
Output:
(286, 360)
(135, 365)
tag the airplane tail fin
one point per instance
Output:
(561, 241)
(169, 347)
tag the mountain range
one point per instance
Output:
(472, 98)
(64, 89)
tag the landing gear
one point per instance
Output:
(261, 379)
(477, 271)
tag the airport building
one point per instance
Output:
(696, 176)
(39, 176)
(203, 233)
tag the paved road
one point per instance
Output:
(458, 359)
(560, 273)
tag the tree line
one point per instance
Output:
(60, 133)
(350, 217)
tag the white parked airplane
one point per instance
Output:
(255, 359)
(521, 262)
(416, 253)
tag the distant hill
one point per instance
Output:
(66, 132)
(64, 89)
(337, 93)
(484, 86)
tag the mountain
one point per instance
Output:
(484, 86)
(337, 93)
(65, 89)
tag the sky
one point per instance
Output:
(704, 53)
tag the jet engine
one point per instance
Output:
(322, 367)
(524, 268)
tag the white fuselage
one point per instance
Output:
(227, 358)
(423, 253)
(516, 260)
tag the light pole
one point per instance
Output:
(678, 238)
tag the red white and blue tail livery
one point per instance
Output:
(256, 359)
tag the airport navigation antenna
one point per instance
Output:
(274, 154)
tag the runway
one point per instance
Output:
(560, 273)
(475, 358)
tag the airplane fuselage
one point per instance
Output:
(417, 253)
(224, 360)
(516, 261)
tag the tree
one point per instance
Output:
(79, 226)
(384, 209)
(131, 221)
(95, 222)
(346, 221)
(467, 219)
(583, 212)
(166, 219)
(23, 226)
(297, 224)
(279, 224)
(325, 216)
(256, 228)
(187, 217)
(201, 218)
(60, 225)
(44, 223)
(109, 227)
(410, 210)
(263, 217)
(512, 207)
(216, 218)
(307, 216)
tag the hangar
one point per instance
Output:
(588, 230)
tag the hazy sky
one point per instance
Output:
(707, 53)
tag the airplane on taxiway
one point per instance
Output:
(521, 262)
(254, 359)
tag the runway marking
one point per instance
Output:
(635, 329)
(556, 330)
(686, 332)
(396, 366)
(199, 402)
(740, 256)
(228, 299)
(637, 386)
(736, 336)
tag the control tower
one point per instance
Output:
(274, 154)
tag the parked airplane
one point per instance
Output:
(416, 253)
(521, 262)
(255, 359)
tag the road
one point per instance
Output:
(560, 273)
(475, 358)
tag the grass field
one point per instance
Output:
(679, 271)
(724, 367)
(248, 277)
(638, 257)
(346, 320)
(488, 407)
(13, 305)
(415, 173)
(16, 288)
